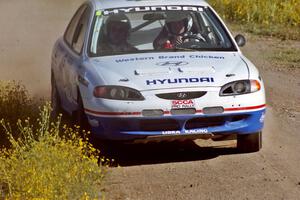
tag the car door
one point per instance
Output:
(73, 59)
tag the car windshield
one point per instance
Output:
(156, 29)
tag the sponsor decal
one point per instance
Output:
(196, 131)
(207, 57)
(98, 13)
(151, 8)
(180, 80)
(172, 63)
(193, 56)
(170, 132)
(172, 57)
(179, 104)
(262, 118)
(134, 59)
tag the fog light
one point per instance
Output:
(152, 113)
(185, 111)
(213, 110)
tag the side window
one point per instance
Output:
(78, 39)
(72, 25)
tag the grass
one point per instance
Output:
(287, 57)
(45, 160)
(270, 17)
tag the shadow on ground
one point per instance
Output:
(166, 152)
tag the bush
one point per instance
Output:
(49, 162)
(270, 17)
(15, 103)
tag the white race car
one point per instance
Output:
(154, 70)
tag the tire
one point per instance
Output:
(55, 99)
(249, 143)
(80, 116)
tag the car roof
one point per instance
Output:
(105, 4)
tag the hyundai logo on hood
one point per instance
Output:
(172, 63)
(180, 80)
(182, 95)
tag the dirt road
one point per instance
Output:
(196, 170)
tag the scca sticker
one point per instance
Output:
(178, 104)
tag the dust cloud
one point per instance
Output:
(28, 31)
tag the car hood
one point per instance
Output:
(171, 70)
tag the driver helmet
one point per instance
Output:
(178, 23)
(117, 28)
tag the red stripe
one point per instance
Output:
(112, 113)
(168, 112)
(245, 108)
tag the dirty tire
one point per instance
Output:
(55, 99)
(249, 143)
(80, 116)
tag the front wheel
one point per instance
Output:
(55, 99)
(249, 142)
(80, 116)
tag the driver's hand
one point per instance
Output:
(200, 38)
(168, 45)
(178, 40)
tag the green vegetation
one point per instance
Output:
(287, 57)
(15, 102)
(44, 160)
(270, 17)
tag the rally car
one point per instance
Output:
(156, 70)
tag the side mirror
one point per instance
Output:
(240, 40)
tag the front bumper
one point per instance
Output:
(179, 127)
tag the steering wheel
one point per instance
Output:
(195, 37)
(193, 41)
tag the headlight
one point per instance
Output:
(117, 93)
(240, 87)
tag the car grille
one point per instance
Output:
(205, 122)
(159, 125)
(181, 95)
(175, 124)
